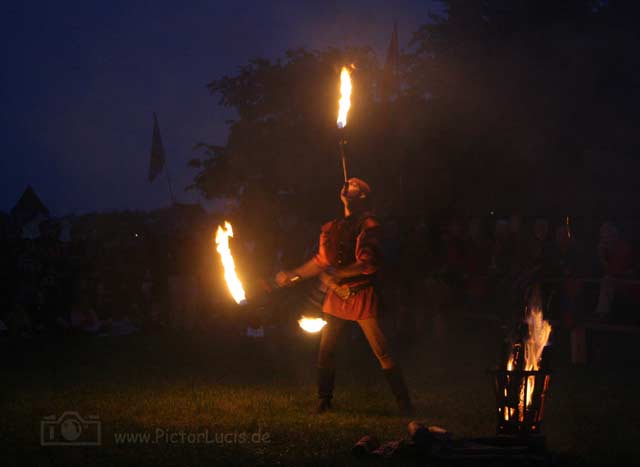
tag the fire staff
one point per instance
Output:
(347, 261)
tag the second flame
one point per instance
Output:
(311, 325)
(230, 276)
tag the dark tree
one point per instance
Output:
(284, 139)
(531, 93)
(506, 105)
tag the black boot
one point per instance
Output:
(399, 389)
(326, 378)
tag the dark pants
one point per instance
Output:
(372, 331)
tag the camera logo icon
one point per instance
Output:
(70, 429)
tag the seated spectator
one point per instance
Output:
(540, 247)
(566, 265)
(616, 259)
(518, 244)
(563, 250)
(538, 259)
(448, 277)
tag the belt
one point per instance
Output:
(361, 278)
(357, 288)
(345, 292)
(315, 295)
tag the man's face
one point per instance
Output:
(350, 192)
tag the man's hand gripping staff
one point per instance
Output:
(310, 269)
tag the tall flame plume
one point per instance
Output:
(233, 282)
(539, 331)
(345, 97)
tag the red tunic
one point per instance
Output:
(364, 304)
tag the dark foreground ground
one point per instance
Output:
(166, 384)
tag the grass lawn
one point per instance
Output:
(214, 380)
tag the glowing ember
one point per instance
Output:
(230, 276)
(345, 97)
(311, 324)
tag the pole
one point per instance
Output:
(341, 144)
(158, 147)
(173, 200)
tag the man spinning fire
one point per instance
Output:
(347, 261)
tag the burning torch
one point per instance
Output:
(231, 278)
(343, 109)
(310, 325)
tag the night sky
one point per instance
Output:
(81, 80)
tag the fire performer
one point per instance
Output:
(347, 261)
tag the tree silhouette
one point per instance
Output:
(506, 105)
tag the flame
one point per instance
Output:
(539, 331)
(538, 336)
(230, 276)
(311, 325)
(345, 97)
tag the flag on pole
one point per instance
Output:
(390, 73)
(157, 160)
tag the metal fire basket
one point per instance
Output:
(517, 413)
